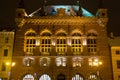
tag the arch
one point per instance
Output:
(61, 77)
(92, 33)
(76, 31)
(46, 34)
(45, 31)
(77, 77)
(61, 31)
(45, 77)
(28, 77)
(30, 31)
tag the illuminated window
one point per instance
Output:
(44, 61)
(91, 42)
(28, 77)
(61, 46)
(28, 61)
(46, 43)
(30, 42)
(118, 64)
(77, 62)
(94, 62)
(61, 61)
(76, 43)
(77, 77)
(93, 77)
(45, 77)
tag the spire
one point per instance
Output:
(101, 4)
(79, 13)
(42, 11)
(21, 4)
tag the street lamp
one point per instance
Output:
(10, 64)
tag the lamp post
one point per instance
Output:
(10, 64)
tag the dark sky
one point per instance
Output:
(7, 11)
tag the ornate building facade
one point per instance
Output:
(6, 51)
(62, 45)
(114, 43)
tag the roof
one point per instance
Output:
(69, 10)
(115, 41)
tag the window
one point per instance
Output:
(118, 64)
(76, 43)
(3, 67)
(28, 61)
(46, 43)
(94, 61)
(28, 77)
(93, 77)
(77, 77)
(30, 42)
(44, 61)
(61, 61)
(6, 39)
(77, 62)
(45, 77)
(5, 52)
(118, 52)
(91, 42)
(61, 44)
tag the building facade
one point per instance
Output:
(115, 53)
(6, 50)
(62, 45)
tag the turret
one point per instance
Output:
(79, 12)
(20, 11)
(42, 11)
(102, 11)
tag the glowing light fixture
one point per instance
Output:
(7, 63)
(38, 41)
(69, 41)
(84, 41)
(53, 41)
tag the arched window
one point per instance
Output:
(28, 77)
(61, 77)
(93, 77)
(77, 77)
(45, 77)
(45, 43)
(30, 42)
(61, 43)
(76, 43)
(92, 42)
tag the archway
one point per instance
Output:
(45, 77)
(61, 77)
(28, 77)
(77, 77)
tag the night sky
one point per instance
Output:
(7, 11)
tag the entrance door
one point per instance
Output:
(61, 77)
